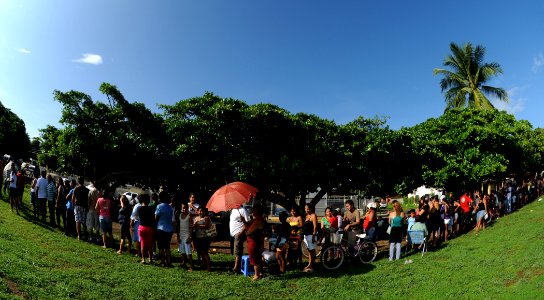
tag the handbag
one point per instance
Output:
(388, 229)
(211, 231)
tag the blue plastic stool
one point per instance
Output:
(246, 268)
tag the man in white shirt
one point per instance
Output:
(41, 191)
(237, 231)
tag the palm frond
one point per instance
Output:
(498, 93)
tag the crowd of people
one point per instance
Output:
(150, 221)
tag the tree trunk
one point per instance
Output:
(318, 197)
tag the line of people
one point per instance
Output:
(85, 212)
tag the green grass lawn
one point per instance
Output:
(503, 262)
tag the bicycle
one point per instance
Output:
(333, 256)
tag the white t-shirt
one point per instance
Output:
(134, 216)
(41, 188)
(235, 224)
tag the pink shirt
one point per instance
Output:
(104, 207)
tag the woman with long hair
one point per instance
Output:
(481, 210)
(146, 231)
(184, 229)
(103, 207)
(396, 220)
(295, 252)
(255, 239)
(309, 230)
(124, 223)
(434, 223)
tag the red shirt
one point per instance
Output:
(369, 223)
(104, 207)
(333, 221)
(20, 180)
(464, 203)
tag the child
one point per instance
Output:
(185, 228)
(124, 222)
(340, 219)
(412, 218)
(282, 232)
(336, 238)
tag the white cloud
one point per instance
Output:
(24, 51)
(516, 102)
(89, 58)
(538, 62)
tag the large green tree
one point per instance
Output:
(464, 83)
(286, 156)
(13, 137)
(111, 142)
(463, 147)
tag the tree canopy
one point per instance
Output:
(13, 137)
(111, 143)
(463, 147)
(201, 143)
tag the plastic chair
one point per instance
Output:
(417, 237)
(246, 268)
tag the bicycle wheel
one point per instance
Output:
(368, 252)
(332, 257)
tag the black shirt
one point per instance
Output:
(147, 216)
(81, 195)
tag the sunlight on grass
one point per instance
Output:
(504, 261)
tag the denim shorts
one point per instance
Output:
(105, 225)
(479, 215)
(309, 243)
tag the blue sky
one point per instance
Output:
(336, 59)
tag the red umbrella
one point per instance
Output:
(231, 196)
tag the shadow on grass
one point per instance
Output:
(27, 213)
(348, 268)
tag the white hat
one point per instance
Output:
(371, 204)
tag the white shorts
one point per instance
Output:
(185, 248)
(309, 243)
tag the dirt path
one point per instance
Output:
(14, 288)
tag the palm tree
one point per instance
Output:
(464, 84)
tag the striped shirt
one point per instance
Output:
(51, 191)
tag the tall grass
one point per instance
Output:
(503, 262)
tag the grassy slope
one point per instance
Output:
(505, 261)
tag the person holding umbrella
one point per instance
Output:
(255, 239)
